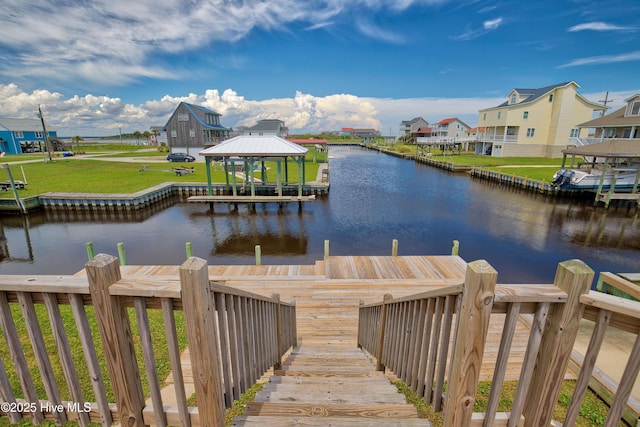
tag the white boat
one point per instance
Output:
(590, 178)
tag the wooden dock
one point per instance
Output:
(328, 294)
(250, 199)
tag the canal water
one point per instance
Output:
(374, 198)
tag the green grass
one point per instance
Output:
(158, 337)
(113, 177)
(539, 173)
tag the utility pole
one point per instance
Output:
(47, 146)
(605, 101)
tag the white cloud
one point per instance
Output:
(492, 24)
(604, 59)
(115, 41)
(94, 115)
(598, 26)
(474, 33)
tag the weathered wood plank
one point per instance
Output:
(275, 421)
(332, 410)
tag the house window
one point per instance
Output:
(484, 117)
(174, 133)
(192, 133)
(635, 109)
(525, 115)
(530, 132)
(183, 117)
(513, 98)
(18, 134)
(574, 133)
(499, 113)
(38, 135)
(212, 119)
(551, 98)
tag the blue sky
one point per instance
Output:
(100, 65)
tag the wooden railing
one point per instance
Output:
(435, 341)
(233, 338)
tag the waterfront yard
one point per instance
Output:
(128, 172)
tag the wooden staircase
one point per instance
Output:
(329, 385)
(327, 380)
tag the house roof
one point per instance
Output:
(192, 107)
(267, 125)
(624, 148)
(535, 94)
(614, 119)
(415, 119)
(424, 130)
(22, 125)
(253, 145)
(445, 121)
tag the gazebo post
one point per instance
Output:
(601, 184)
(300, 175)
(226, 172)
(279, 176)
(252, 177)
(286, 171)
(234, 184)
(207, 162)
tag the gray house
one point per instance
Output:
(192, 128)
(268, 127)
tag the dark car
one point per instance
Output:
(180, 157)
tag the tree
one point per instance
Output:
(156, 134)
(137, 134)
(76, 140)
(147, 136)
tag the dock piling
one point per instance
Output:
(394, 247)
(455, 247)
(258, 251)
(91, 253)
(188, 250)
(122, 254)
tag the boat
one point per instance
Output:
(590, 177)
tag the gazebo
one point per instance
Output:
(249, 150)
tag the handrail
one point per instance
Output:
(415, 335)
(230, 332)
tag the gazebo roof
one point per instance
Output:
(623, 148)
(258, 146)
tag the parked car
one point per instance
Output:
(180, 157)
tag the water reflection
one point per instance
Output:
(374, 199)
(18, 250)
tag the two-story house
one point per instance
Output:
(191, 128)
(412, 126)
(268, 127)
(623, 123)
(451, 129)
(19, 136)
(534, 122)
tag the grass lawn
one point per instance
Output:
(158, 337)
(113, 177)
(539, 173)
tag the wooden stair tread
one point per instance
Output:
(330, 397)
(298, 409)
(275, 421)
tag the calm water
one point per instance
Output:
(374, 199)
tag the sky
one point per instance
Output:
(98, 67)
